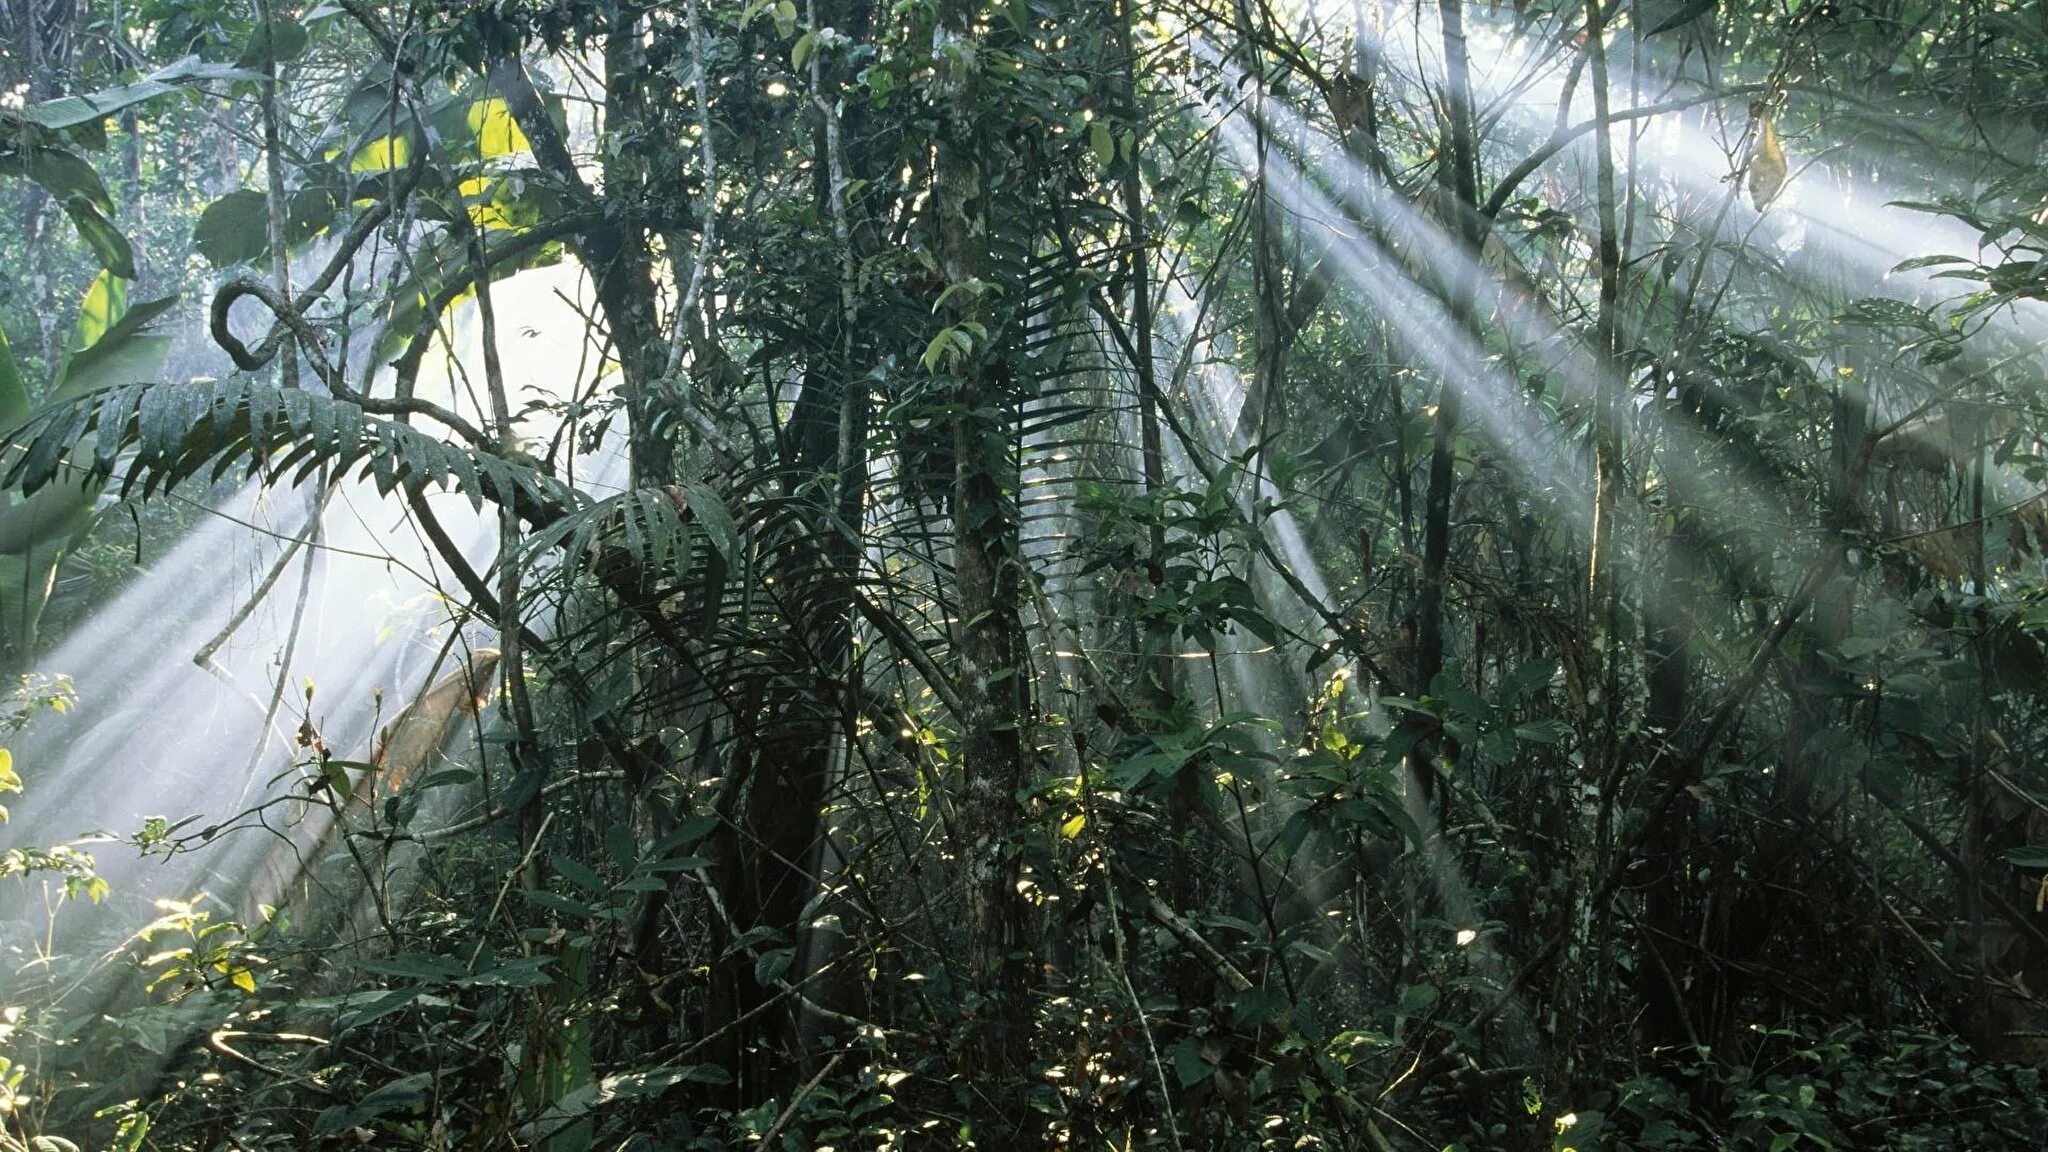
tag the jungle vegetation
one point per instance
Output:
(1384, 574)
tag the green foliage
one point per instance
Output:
(978, 720)
(1809, 1086)
(234, 229)
(114, 348)
(70, 112)
(73, 184)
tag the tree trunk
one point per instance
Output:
(988, 639)
(1461, 152)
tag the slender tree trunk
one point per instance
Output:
(987, 572)
(1663, 967)
(39, 77)
(1461, 155)
(1601, 586)
(274, 196)
(621, 262)
(807, 731)
(1159, 685)
(1602, 608)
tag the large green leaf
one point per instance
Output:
(1685, 13)
(65, 175)
(121, 352)
(107, 244)
(73, 183)
(45, 521)
(234, 228)
(125, 354)
(72, 111)
(13, 389)
(25, 585)
(278, 40)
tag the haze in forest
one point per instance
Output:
(811, 574)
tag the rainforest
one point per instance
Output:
(1404, 575)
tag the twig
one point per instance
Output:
(906, 644)
(218, 1042)
(1185, 932)
(497, 814)
(511, 874)
(205, 655)
(1123, 972)
(789, 1113)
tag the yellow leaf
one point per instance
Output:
(1100, 141)
(244, 979)
(1072, 827)
(382, 155)
(483, 211)
(1767, 168)
(104, 302)
(497, 133)
(9, 782)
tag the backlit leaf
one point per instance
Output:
(1102, 143)
(497, 133)
(1767, 168)
(382, 155)
(101, 309)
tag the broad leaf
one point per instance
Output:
(101, 309)
(234, 229)
(71, 111)
(13, 390)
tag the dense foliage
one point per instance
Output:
(1346, 574)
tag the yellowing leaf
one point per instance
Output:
(382, 155)
(9, 782)
(1767, 168)
(497, 133)
(102, 307)
(1102, 143)
(483, 210)
(1073, 826)
(244, 979)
